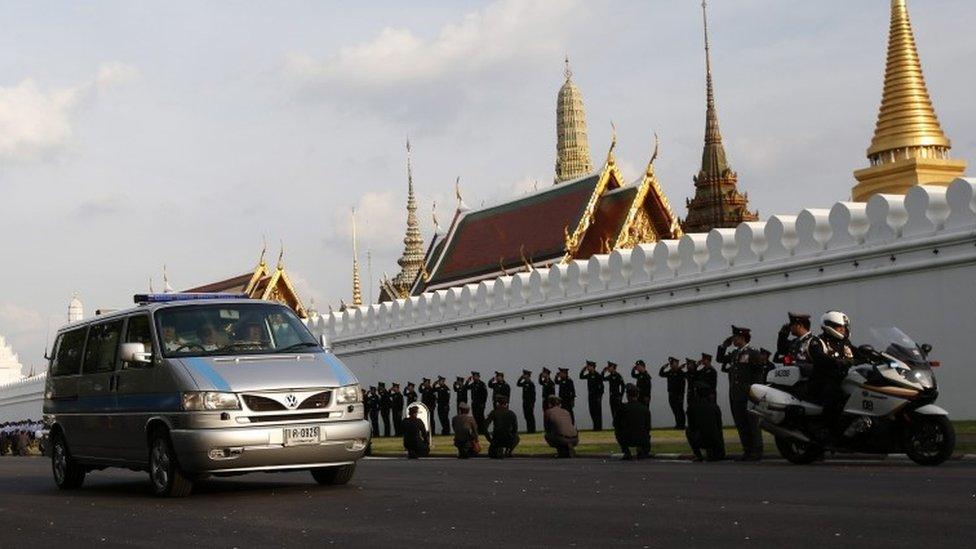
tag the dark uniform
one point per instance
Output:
(410, 394)
(831, 357)
(742, 365)
(594, 393)
(639, 372)
(443, 394)
(675, 375)
(499, 387)
(396, 408)
(479, 398)
(793, 350)
(429, 399)
(460, 389)
(546, 383)
(616, 385)
(385, 404)
(528, 399)
(371, 405)
(567, 392)
(704, 429)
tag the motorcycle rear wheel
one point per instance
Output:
(929, 440)
(798, 452)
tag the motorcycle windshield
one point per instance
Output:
(899, 345)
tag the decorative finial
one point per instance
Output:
(433, 214)
(166, 287)
(568, 72)
(525, 261)
(657, 144)
(461, 206)
(264, 250)
(281, 256)
(357, 292)
(151, 290)
(613, 143)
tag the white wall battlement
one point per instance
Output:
(908, 261)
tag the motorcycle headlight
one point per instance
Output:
(210, 401)
(349, 394)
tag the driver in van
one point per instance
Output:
(171, 341)
(208, 337)
(251, 332)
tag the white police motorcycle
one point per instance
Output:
(889, 405)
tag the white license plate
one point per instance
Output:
(304, 434)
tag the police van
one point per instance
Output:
(184, 386)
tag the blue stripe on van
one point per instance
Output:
(339, 370)
(202, 366)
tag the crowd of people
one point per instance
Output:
(691, 386)
(19, 438)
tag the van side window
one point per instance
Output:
(138, 332)
(67, 361)
(103, 346)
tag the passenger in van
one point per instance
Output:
(251, 332)
(171, 341)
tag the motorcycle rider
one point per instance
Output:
(796, 347)
(832, 354)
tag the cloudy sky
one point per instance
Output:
(134, 134)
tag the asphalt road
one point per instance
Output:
(517, 502)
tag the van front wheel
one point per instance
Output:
(68, 475)
(334, 475)
(164, 471)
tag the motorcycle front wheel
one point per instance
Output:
(798, 452)
(929, 440)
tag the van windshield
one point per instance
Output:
(231, 329)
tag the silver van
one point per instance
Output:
(189, 385)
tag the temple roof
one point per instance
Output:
(482, 242)
(236, 284)
(262, 283)
(609, 219)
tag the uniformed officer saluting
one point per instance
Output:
(791, 350)
(594, 393)
(704, 430)
(479, 397)
(371, 404)
(499, 387)
(567, 392)
(547, 384)
(742, 365)
(460, 389)
(410, 393)
(639, 372)
(673, 372)
(616, 383)
(528, 399)
(429, 399)
(385, 404)
(396, 407)
(443, 394)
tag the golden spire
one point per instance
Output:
(714, 162)
(572, 146)
(357, 291)
(413, 243)
(611, 159)
(909, 147)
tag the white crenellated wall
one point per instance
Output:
(23, 399)
(908, 261)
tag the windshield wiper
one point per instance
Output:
(297, 346)
(240, 344)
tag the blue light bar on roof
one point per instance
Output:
(166, 298)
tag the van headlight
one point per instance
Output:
(349, 394)
(210, 401)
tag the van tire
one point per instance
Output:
(164, 471)
(334, 476)
(68, 475)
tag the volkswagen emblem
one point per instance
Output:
(291, 400)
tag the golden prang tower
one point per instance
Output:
(909, 147)
(572, 146)
(717, 203)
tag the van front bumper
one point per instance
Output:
(241, 449)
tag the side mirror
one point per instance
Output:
(926, 348)
(135, 354)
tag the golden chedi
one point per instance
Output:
(572, 146)
(909, 147)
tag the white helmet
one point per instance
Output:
(831, 320)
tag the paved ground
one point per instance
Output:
(518, 502)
